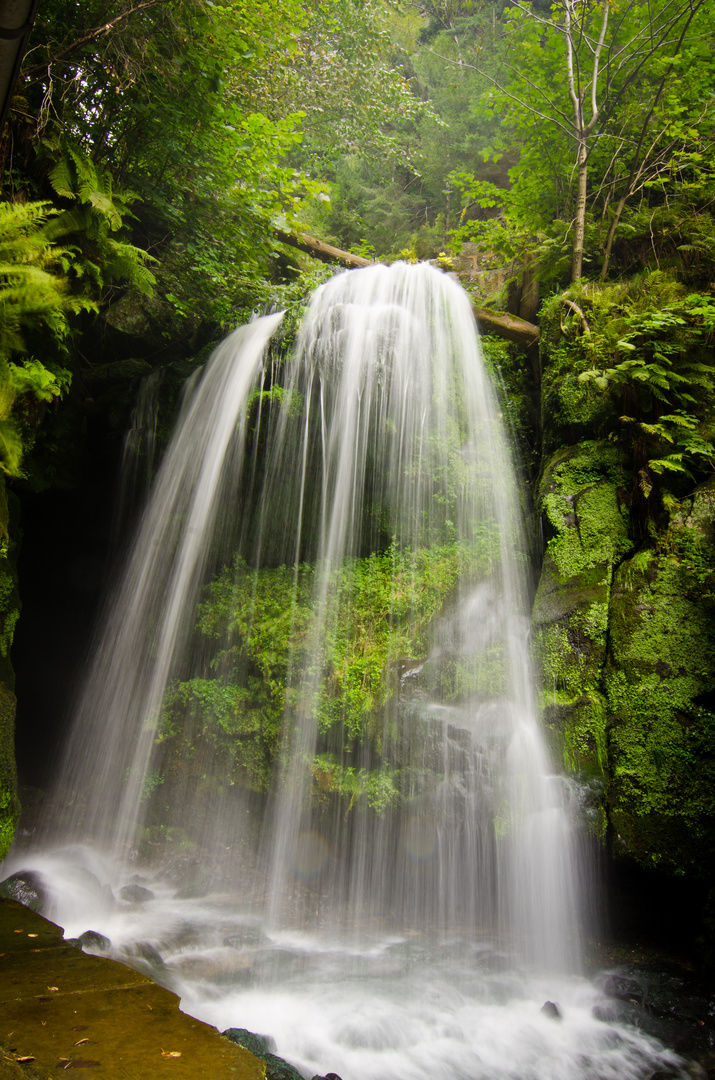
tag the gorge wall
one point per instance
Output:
(624, 636)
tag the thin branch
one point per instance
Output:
(594, 78)
(92, 35)
(502, 90)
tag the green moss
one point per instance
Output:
(661, 737)
(569, 411)
(225, 725)
(583, 519)
(587, 532)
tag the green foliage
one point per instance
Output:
(597, 141)
(377, 786)
(99, 211)
(378, 611)
(664, 382)
(33, 294)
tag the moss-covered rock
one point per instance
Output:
(569, 411)
(586, 533)
(660, 684)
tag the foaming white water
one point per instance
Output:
(387, 1007)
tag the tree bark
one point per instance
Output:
(580, 215)
(320, 250)
(507, 326)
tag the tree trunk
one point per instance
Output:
(507, 326)
(580, 215)
(320, 250)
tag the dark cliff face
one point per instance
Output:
(60, 534)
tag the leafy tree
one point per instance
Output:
(583, 87)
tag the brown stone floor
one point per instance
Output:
(66, 1011)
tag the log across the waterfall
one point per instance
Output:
(320, 250)
(507, 326)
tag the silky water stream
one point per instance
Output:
(312, 703)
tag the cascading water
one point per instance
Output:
(322, 625)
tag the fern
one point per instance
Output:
(664, 378)
(98, 211)
(33, 295)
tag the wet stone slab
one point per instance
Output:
(63, 1011)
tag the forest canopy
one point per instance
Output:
(186, 129)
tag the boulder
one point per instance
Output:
(27, 887)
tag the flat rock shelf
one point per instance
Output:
(61, 1009)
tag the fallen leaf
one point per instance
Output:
(43, 1022)
(150, 1008)
(81, 1042)
(33, 935)
(19, 931)
(171, 1053)
(53, 987)
(28, 1057)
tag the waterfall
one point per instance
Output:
(314, 678)
(108, 760)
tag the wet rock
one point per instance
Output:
(660, 1003)
(251, 936)
(192, 877)
(135, 894)
(93, 941)
(277, 964)
(695, 1070)
(551, 1009)
(27, 887)
(143, 950)
(622, 987)
(278, 1069)
(328, 1076)
(225, 968)
(260, 1045)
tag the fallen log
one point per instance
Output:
(506, 326)
(320, 250)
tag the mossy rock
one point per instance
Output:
(152, 320)
(570, 411)
(587, 532)
(577, 726)
(660, 685)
